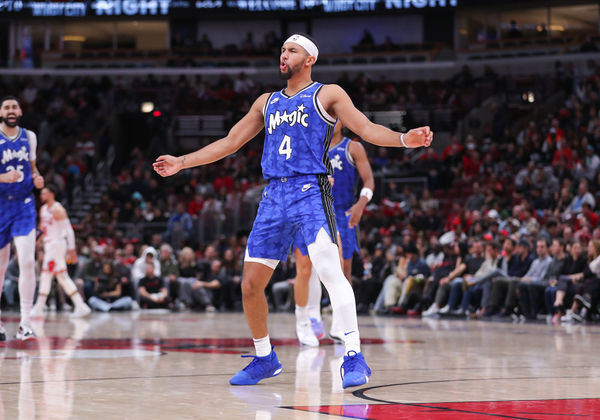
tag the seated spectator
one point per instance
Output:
(531, 293)
(232, 290)
(451, 252)
(203, 292)
(189, 272)
(385, 301)
(397, 289)
(90, 273)
(562, 291)
(169, 270)
(469, 286)
(108, 292)
(465, 265)
(504, 290)
(139, 269)
(153, 294)
(587, 286)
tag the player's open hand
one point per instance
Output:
(417, 137)
(355, 212)
(38, 181)
(167, 165)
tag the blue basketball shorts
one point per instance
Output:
(17, 218)
(300, 205)
(348, 235)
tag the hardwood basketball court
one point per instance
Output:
(147, 365)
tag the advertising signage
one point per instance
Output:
(140, 8)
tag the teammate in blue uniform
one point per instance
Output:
(347, 157)
(18, 176)
(298, 122)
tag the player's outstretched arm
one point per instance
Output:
(241, 133)
(335, 99)
(359, 155)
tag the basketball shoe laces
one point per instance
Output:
(255, 368)
(352, 363)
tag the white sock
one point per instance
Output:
(314, 295)
(26, 253)
(302, 315)
(324, 255)
(262, 346)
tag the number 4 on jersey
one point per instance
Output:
(285, 147)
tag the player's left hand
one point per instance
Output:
(38, 181)
(71, 256)
(355, 212)
(417, 137)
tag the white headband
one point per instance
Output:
(305, 43)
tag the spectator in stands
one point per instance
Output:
(169, 271)
(398, 288)
(504, 290)
(366, 43)
(462, 285)
(148, 258)
(180, 226)
(583, 196)
(90, 273)
(108, 291)
(531, 294)
(514, 31)
(562, 292)
(203, 291)
(588, 290)
(232, 292)
(153, 294)
(188, 274)
(465, 265)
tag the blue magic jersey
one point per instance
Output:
(344, 175)
(297, 134)
(15, 155)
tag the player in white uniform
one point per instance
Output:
(59, 246)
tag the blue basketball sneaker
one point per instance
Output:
(258, 369)
(354, 370)
(317, 327)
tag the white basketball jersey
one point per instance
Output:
(52, 232)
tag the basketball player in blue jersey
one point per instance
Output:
(18, 176)
(298, 122)
(346, 158)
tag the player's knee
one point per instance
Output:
(251, 287)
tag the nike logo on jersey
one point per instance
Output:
(27, 200)
(306, 96)
(306, 187)
(273, 101)
(337, 163)
(293, 118)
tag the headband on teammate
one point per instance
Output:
(305, 43)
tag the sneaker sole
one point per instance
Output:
(351, 386)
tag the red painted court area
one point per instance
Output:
(530, 410)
